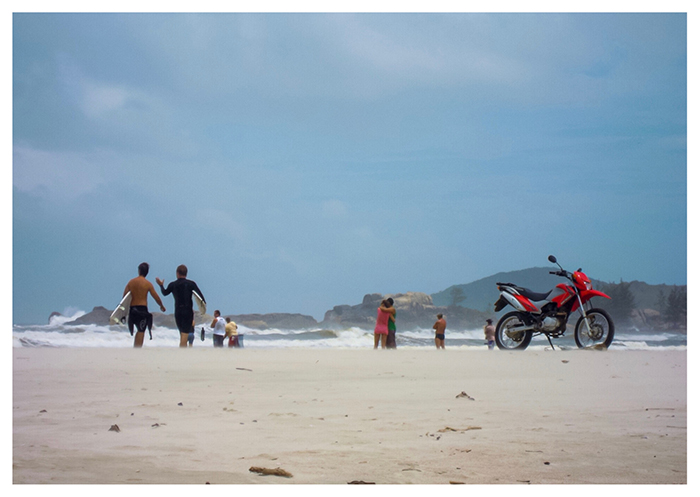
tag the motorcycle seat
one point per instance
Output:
(534, 296)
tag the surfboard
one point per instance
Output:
(200, 302)
(122, 311)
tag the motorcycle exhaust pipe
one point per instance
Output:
(519, 329)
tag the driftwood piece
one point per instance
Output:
(447, 428)
(268, 471)
(114, 428)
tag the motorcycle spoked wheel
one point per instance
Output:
(602, 329)
(512, 341)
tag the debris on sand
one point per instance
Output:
(273, 472)
(361, 482)
(447, 428)
(598, 346)
(114, 428)
(464, 395)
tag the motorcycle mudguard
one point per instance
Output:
(587, 295)
(500, 304)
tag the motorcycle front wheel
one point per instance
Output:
(506, 339)
(602, 329)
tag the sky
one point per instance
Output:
(295, 162)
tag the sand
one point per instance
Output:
(336, 416)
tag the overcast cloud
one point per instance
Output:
(295, 162)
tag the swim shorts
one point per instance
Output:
(141, 318)
(440, 336)
(183, 320)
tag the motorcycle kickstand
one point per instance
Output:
(550, 342)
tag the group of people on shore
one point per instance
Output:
(222, 329)
(385, 328)
(181, 290)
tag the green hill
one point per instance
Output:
(481, 294)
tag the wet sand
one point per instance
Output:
(337, 416)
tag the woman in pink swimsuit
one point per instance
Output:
(381, 329)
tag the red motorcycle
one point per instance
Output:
(548, 313)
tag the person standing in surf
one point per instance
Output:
(219, 325)
(139, 316)
(231, 333)
(439, 327)
(190, 336)
(391, 325)
(490, 334)
(381, 329)
(182, 289)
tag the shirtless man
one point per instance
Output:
(439, 328)
(490, 334)
(139, 316)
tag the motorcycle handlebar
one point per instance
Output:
(564, 274)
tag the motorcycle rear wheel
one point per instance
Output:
(512, 341)
(602, 329)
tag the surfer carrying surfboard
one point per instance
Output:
(182, 290)
(139, 316)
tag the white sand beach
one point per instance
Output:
(338, 416)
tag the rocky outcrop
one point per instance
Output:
(98, 315)
(275, 320)
(413, 310)
(362, 316)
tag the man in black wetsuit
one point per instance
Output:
(182, 289)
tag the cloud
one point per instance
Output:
(426, 57)
(97, 99)
(63, 176)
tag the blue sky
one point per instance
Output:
(299, 161)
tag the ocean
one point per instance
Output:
(58, 334)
